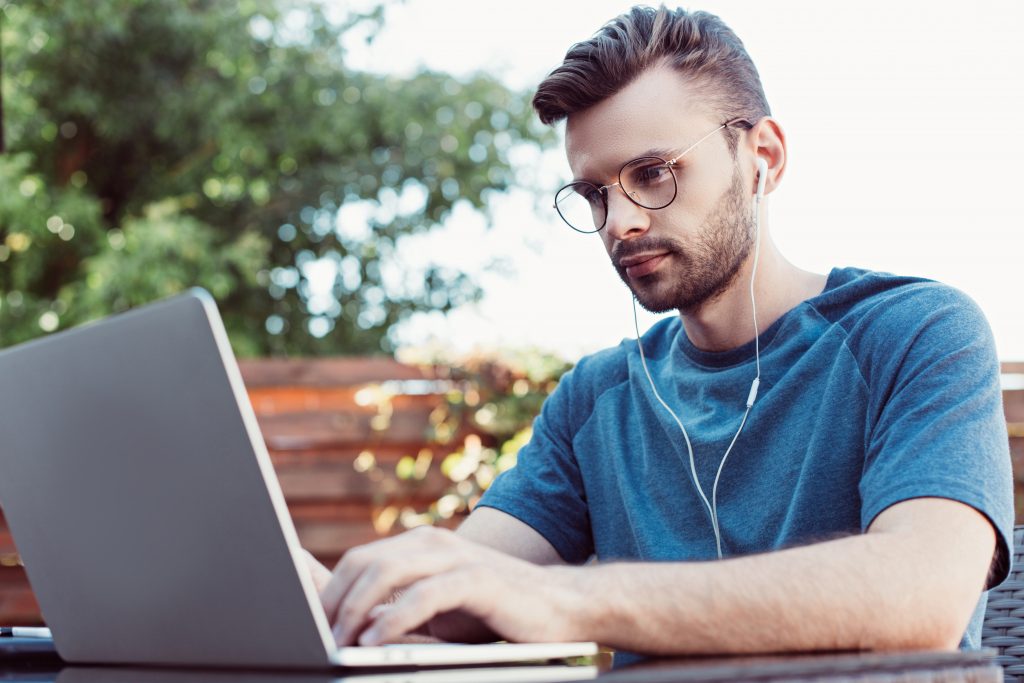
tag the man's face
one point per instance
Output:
(681, 256)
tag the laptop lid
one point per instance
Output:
(507, 674)
(144, 505)
(120, 440)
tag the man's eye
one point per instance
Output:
(650, 175)
(591, 194)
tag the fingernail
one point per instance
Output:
(338, 632)
(370, 637)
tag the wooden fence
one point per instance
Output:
(1013, 406)
(335, 452)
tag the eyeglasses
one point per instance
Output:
(649, 182)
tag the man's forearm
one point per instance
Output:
(911, 582)
(852, 593)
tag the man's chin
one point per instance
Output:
(663, 302)
(652, 302)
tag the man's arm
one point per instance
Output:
(499, 530)
(911, 582)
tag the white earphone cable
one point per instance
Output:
(689, 446)
(712, 507)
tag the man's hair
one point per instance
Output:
(698, 45)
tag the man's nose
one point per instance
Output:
(626, 220)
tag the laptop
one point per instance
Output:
(527, 673)
(145, 508)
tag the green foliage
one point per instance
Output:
(43, 229)
(227, 145)
(486, 417)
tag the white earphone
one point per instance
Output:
(762, 177)
(712, 506)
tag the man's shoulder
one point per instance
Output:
(887, 318)
(601, 370)
(597, 372)
(873, 301)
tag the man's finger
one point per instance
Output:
(423, 601)
(321, 574)
(378, 583)
(346, 572)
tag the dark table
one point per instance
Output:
(905, 667)
(864, 667)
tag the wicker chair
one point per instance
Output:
(1003, 628)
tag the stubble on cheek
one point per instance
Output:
(700, 272)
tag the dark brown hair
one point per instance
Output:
(696, 44)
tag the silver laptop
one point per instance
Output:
(532, 673)
(144, 505)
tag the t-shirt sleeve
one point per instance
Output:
(936, 425)
(545, 489)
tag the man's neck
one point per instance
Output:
(727, 321)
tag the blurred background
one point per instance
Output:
(364, 189)
(354, 177)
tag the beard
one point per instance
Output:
(701, 271)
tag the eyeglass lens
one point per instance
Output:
(648, 182)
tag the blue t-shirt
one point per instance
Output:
(878, 390)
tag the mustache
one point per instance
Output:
(624, 250)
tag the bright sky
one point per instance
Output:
(904, 152)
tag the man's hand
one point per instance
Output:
(437, 573)
(321, 574)
(911, 582)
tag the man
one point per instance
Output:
(866, 498)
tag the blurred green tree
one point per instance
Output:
(153, 145)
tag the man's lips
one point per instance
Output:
(642, 264)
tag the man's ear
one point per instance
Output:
(767, 142)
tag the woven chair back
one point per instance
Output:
(1003, 628)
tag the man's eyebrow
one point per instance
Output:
(665, 153)
(662, 152)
